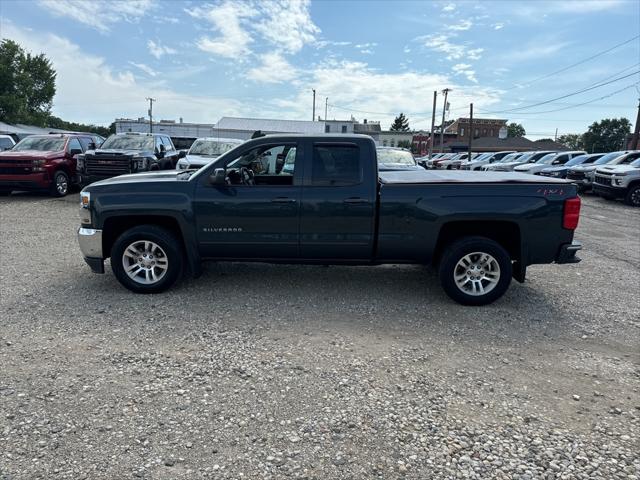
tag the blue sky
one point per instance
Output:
(205, 60)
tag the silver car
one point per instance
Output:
(551, 159)
(205, 150)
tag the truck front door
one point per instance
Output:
(256, 215)
(337, 215)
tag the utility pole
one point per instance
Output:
(555, 139)
(433, 122)
(636, 131)
(444, 108)
(326, 107)
(313, 115)
(470, 129)
(151, 100)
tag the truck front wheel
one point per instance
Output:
(60, 184)
(633, 196)
(475, 271)
(147, 259)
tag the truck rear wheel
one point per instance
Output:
(475, 271)
(147, 259)
(633, 196)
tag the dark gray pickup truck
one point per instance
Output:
(328, 206)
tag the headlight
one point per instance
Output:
(85, 213)
(140, 164)
(555, 174)
(80, 162)
(38, 165)
(618, 181)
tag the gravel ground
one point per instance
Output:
(262, 371)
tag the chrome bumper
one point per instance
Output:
(90, 241)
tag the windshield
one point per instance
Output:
(635, 163)
(547, 159)
(577, 160)
(210, 148)
(395, 156)
(41, 144)
(509, 158)
(482, 156)
(607, 158)
(128, 142)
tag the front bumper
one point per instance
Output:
(608, 191)
(90, 241)
(30, 181)
(568, 252)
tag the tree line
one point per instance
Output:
(27, 88)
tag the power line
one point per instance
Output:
(602, 84)
(580, 104)
(564, 69)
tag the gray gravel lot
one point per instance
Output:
(262, 371)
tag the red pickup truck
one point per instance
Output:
(43, 162)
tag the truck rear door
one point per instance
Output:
(338, 204)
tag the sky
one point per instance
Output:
(371, 59)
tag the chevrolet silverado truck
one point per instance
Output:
(42, 162)
(619, 181)
(332, 206)
(131, 152)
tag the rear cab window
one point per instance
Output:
(336, 165)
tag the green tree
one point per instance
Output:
(607, 135)
(400, 124)
(545, 140)
(572, 141)
(55, 122)
(515, 130)
(27, 85)
(404, 144)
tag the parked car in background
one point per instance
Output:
(123, 153)
(506, 164)
(441, 157)
(394, 158)
(582, 175)
(560, 171)
(205, 150)
(42, 162)
(6, 142)
(550, 159)
(445, 164)
(620, 181)
(455, 164)
(336, 208)
(478, 162)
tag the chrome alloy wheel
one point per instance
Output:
(62, 186)
(145, 262)
(635, 198)
(477, 273)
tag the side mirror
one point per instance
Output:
(182, 154)
(218, 177)
(91, 146)
(75, 151)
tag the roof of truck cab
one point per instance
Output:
(462, 176)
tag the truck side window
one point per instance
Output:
(269, 164)
(336, 165)
(74, 144)
(168, 145)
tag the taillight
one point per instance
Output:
(571, 213)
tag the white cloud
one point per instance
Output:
(366, 45)
(463, 25)
(158, 50)
(101, 92)
(145, 68)
(225, 19)
(273, 69)
(99, 15)
(362, 90)
(449, 7)
(466, 70)
(498, 25)
(439, 42)
(287, 24)
(475, 53)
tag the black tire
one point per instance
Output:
(633, 196)
(170, 247)
(449, 265)
(60, 184)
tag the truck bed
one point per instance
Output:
(457, 176)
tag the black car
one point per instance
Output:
(124, 153)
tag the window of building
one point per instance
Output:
(462, 132)
(336, 165)
(384, 143)
(477, 132)
(344, 129)
(327, 128)
(393, 142)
